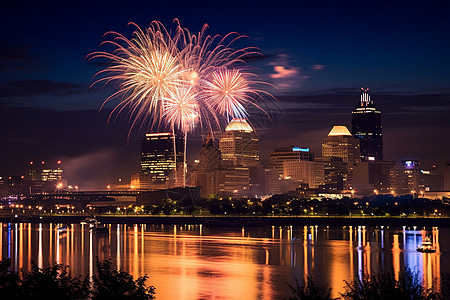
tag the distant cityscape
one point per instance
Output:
(229, 165)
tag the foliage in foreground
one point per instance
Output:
(309, 290)
(55, 282)
(386, 286)
(374, 287)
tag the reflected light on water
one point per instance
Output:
(199, 262)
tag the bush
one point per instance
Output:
(55, 282)
(309, 290)
(385, 286)
(112, 284)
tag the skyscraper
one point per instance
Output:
(239, 144)
(158, 161)
(366, 126)
(340, 143)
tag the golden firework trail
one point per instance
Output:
(178, 79)
(152, 67)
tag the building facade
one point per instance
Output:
(239, 144)
(340, 143)
(158, 163)
(286, 154)
(303, 171)
(366, 127)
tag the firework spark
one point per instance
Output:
(146, 69)
(178, 78)
(181, 109)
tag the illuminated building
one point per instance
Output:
(208, 172)
(234, 181)
(399, 180)
(335, 171)
(304, 171)
(44, 178)
(408, 177)
(340, 143)
(272, 180)
(44, 173)
(286, 154)
(366, 127)
(239, 144)
(158, 162)
(239, 147)
(210, 157)
(372, 177)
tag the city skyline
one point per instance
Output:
(47, 112)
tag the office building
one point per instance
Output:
(340, 143)
(335, 172)
(304, 171)
(239, 144)
(372, 177)
(366, 127)
(286, 154)
(158, 162)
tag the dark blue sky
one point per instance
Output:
(317, 53)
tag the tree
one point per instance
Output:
(57, 279)
(9, 281)
(309, 290)
(385, 286)
(55, 282)
(110, 284)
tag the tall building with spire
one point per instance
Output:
(366, 127)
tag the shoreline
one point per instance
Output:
(236, 221)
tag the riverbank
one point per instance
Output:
(236, 221)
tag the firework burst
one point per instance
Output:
(178, 78)
(181, 109)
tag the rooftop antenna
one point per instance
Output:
(365, 97)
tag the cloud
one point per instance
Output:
(37, 87)
(282, 72)
(318, 67)
(257, 57)
(16, 57)
(286, 76)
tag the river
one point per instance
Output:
(201, 262)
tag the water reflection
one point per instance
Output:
(195, 261)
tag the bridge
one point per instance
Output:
(84, 195)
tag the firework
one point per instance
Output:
(145, 68)
(178, 78)
(181, 110)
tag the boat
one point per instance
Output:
(427, 246)
(89, 221)
(98, 228)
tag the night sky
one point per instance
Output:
(317, 53)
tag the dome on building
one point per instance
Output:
(339, 130)
(239, 125)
